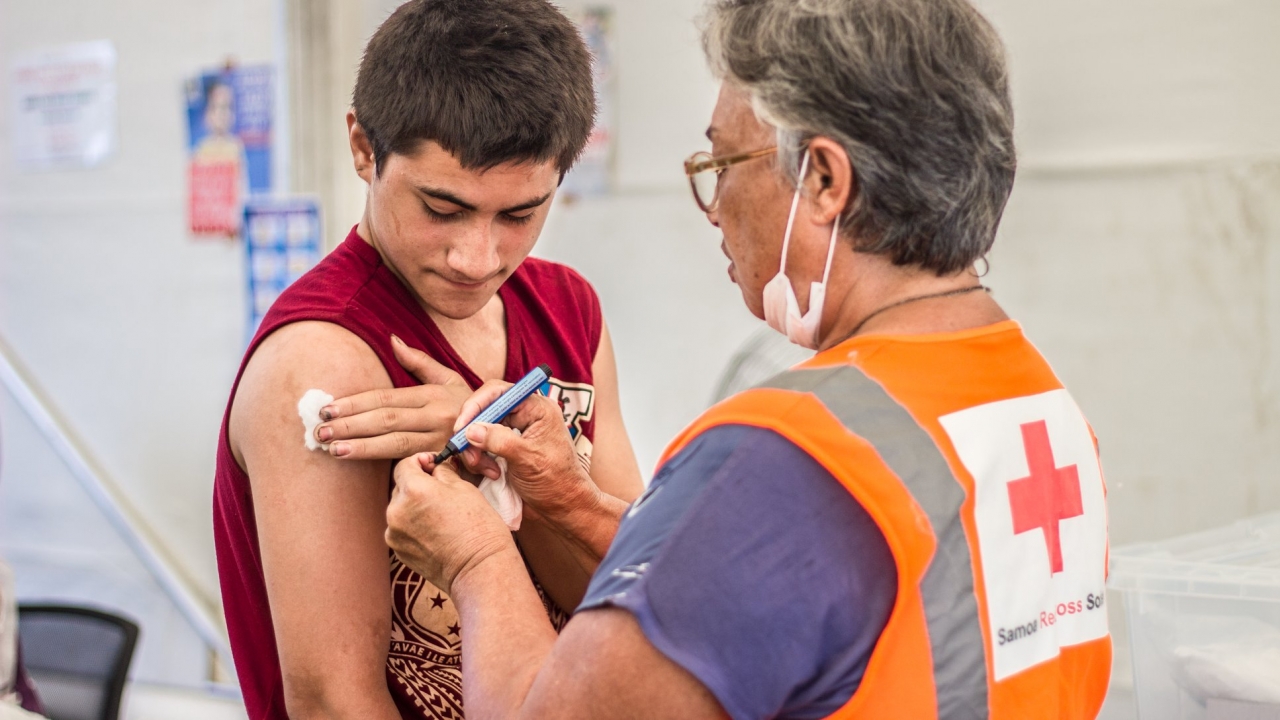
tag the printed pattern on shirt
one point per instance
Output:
(577, 403)
(425, 658)
(426, 645)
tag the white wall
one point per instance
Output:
(654, 259)
(64, 551)
(1139, 247)
(132, 328)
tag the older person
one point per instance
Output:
(909, 525)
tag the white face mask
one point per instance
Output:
(781, 308)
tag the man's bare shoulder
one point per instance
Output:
(320, 523)
(289, 362)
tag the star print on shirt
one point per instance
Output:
(455, 629)
(438, 601)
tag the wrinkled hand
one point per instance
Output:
(542, 465)
(439, 524)
(397, 422)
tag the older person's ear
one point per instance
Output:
(831, 185)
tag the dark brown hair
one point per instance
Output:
(491, 81)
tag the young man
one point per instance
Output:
(466, 115)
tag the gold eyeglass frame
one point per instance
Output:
(702, 161)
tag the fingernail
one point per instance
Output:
(492, 473)
(328, 412)
(340, 449)
(477, 433)
(323, 433)
(396, 339)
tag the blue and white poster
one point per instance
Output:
(282, 241)
(592, 176)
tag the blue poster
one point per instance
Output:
(282, 241)
(229, 137)
(231, 110)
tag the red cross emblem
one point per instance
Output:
(1046, 497)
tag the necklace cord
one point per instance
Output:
(916, 298)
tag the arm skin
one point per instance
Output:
(320, 523)
(562, 560)
(601, 666)
(396, 423)
(543, 468)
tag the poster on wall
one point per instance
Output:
(593, 175)
(63, 102)
(229, 135)
(282, 241)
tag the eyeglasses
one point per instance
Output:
(704, 174)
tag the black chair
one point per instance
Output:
(79, 659)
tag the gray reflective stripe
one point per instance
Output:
(950, 606)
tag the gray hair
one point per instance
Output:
(917, 93)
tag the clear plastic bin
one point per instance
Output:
(1204, 622)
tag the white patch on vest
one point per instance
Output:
(309, 407)
(1036, 473)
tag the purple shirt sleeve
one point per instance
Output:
(26, 689)
(750, 566)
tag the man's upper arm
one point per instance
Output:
(613, 462)
(564, 572)
(603, 667)
(320, 523)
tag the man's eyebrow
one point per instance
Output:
(451, 198)
(527, 205)
(446, 196)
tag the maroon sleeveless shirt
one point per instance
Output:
(553, 317)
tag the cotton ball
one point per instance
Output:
(503, 498)
(309, 410)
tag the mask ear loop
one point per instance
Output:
(791, 219)
(826, 272)
(831, 249)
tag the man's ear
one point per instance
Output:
(361, 149)
(832, 184)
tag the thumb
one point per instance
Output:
(423, 366)
(427, 461)
(497, 439)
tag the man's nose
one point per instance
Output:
(474, 254)
(713, 216)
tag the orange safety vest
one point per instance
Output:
(983, 476)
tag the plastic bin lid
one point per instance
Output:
(1239, 561)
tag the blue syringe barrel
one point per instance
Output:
(498, 410)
